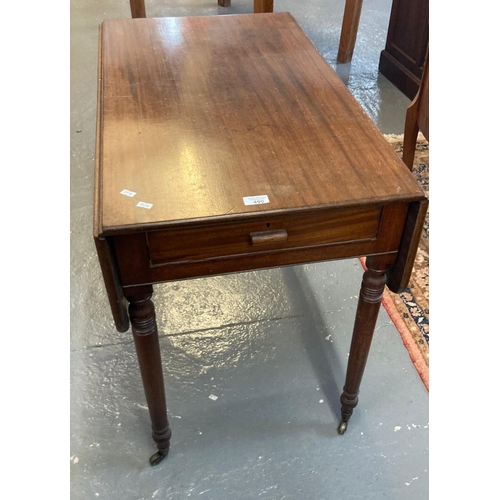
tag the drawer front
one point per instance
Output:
(272, 233)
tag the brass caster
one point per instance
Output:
(158, 457)
(342, 428)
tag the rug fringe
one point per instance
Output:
(400, 137)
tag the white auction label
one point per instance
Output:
(143, 204)
(255, 200)
(126, 192)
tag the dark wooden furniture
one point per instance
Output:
(417, 118)
(402, 60)
(244, 151)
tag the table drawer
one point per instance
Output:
(271, 233)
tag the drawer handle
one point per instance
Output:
(268, 237)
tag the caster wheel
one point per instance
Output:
(158, 457)
(342, 428)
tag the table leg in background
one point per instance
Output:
(261, 6)
(350, 23)
(137, 8)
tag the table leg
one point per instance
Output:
(224, 3)
(137, 8)
(260, 6)
(143, 320)
(350, 23)
(370, 297)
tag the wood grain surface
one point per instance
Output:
(301, 230)
(152, 257)
(197, 113)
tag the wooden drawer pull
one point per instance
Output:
(268, 237)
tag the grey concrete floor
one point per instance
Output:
(271, 345)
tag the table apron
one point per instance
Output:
(137, 267)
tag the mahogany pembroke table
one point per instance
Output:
(228, 144)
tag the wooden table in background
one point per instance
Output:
(245, 151)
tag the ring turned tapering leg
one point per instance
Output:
(370, 297)
(143, 320)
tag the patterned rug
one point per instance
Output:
(409, 311)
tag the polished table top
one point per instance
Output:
(197, 114)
